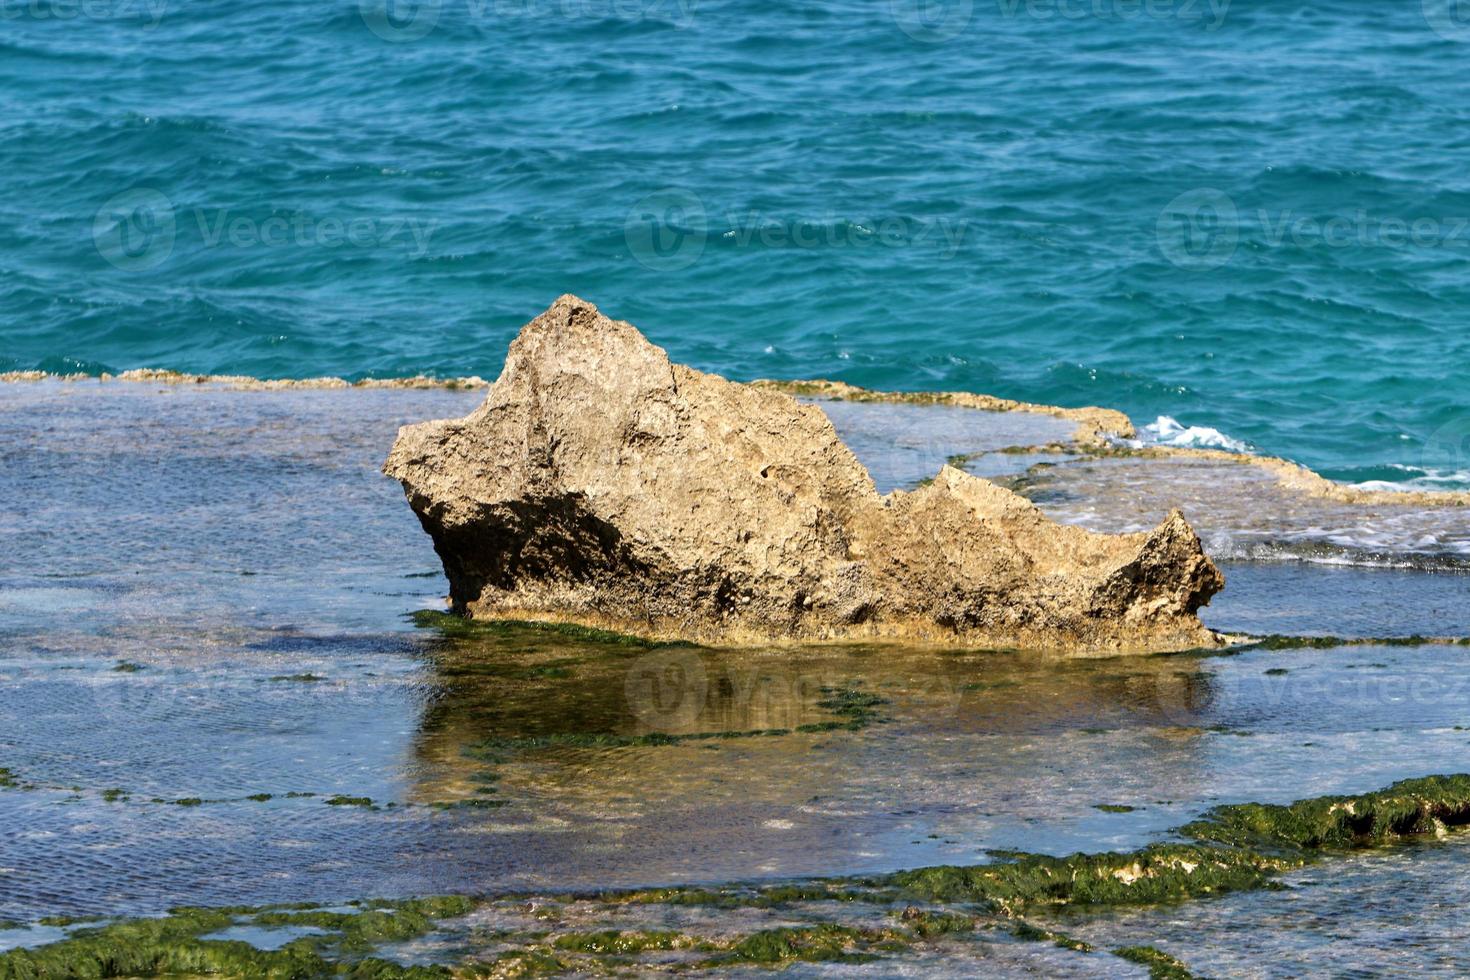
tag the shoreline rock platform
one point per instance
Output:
(601, 484)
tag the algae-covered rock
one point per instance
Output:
(601, 484)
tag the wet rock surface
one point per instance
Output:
(601, 484)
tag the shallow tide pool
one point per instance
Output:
(214, 690)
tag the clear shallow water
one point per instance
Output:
(1242, 512)
(1394, 913)
(240, 557)
(1105, 208)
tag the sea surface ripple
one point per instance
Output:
(1248, 216)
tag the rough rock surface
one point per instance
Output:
(601, 484)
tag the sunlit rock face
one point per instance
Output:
(601, 484)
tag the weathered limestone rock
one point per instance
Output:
(601, 484)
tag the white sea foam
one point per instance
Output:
(1167, 431)
(1420, 479)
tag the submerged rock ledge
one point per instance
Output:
(241, 382)
(601, 484)
(1233, 848)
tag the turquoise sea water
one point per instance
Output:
(1252, 216)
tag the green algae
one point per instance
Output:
(826, 942)
(1409, 808)
(1114, 807)
(930, 924)
(341, 800)
(172, 945)
(1235, 848)
(623, 942)
(8, 778)
(467, 804)
(1153, 875)
(388, 921)
(127, 667)
(459, 626)
(1031, 933)
(63, 921)
(765, 897)
(858, 707)
(831, 890)
(1232, 848)
(521, 963)
(1161, 966)
(300, 678)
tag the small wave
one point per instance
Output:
(1419, 478)
(1167, 431)
(1400, 556)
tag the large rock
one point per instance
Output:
(601, 484)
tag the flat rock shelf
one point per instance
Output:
(227, 678)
